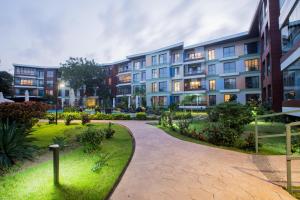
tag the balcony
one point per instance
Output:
(192, 70)
(193, 56)
(194, 84)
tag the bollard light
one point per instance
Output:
(55, 149)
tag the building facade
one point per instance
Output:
(289, 24)
(39, 81)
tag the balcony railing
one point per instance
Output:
(194, 72)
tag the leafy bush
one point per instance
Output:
(183, 115)
(102, 116)
(85, 118)
(183, 125)
(109, 132)
(71, 109)
(61, 141)
(166, 119)
(69, 117)
(249, 143)
(22, 113)
(91, 138)
(218, 134)
(15, 145)
(51, 118)
(121, 116)
(141, 116)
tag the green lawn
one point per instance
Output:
(269, 146)
(77, 181)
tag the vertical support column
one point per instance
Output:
(256, 135)
(55, 149)
(114, 103)
(288, 160)
(129, 101)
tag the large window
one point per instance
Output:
(251, 48)
(154, 73)
(50, 74)
(153, 87)
(125, 78)
(212, 69)
(193, 55)
(143, 76)
(154, 60)
(163, 72)
(40, 74)
(50, 83)
(137, 65)
(252, 64)
(212, 85)
(291, 78)
(252, 82)
(176, 86)
(163, 86)
(229, 83)
(211, 54)
(25, 71)
(229, 67)
(229, 51)
(175, 71)
(176, 57)
(290, 33)
(212, 100)
(25, 81)
(135, 77)
(163, 58)
(230, 97)
(194, 84)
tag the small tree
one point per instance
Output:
(6, 80)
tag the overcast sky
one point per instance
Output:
(47, 32)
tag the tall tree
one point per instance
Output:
(83, 72)
(6, 80)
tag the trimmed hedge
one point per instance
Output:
(141, 116)
(96, 116)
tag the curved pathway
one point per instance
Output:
(166, 168)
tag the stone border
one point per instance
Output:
(126, 166)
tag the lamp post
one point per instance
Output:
(60, 85)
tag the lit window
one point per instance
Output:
(154, 87)
(212, 85)
(252, 65)
(211, 54)
(230, 97)
(26, 82)
(176, 86)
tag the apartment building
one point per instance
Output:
(289, 24)
(37, 80)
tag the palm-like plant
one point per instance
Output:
(15, 145)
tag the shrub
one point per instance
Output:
(109, 132)
(69, 117)
(249, 143)
(85, 118)
(121, 116)
(71, 109)
(51, 118)
(183, 115)
(61, 141)
(218, 134)
(91, 138)
(15, 145)
(183, 125)
(22, 113)
(141, 116)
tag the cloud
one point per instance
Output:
(48, 32)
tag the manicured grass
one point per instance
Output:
(269, 146)
(77, 180)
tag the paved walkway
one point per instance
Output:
(165, 168)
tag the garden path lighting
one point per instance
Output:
(55, 149)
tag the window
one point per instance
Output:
(252, 64)
(163, 58)
(40, 83)
(25, 71)
(41, 92)
(135, 77)
(163, 86)
(50, 83)
(211, 54)
(175, 71)
(212, 85)
(143, 76)
(40, 74)
(230, 97)
(137, 65)
(229, 67)
(29, 82)
(67, 93)
(154, 87)
(176, 57)
(50, 74)
(163, 72)
(194, 69)
(176, 86)
(49, 92)
(154, 60)
(251, 48)
(229, 83)
(229, 51)
(162, 101)
(252, 82)
(154, 73)
(125, 78)
(175, 99)
(212, 100)
(194, 84)
(212, 69)
(252, 97)
(192, 55)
